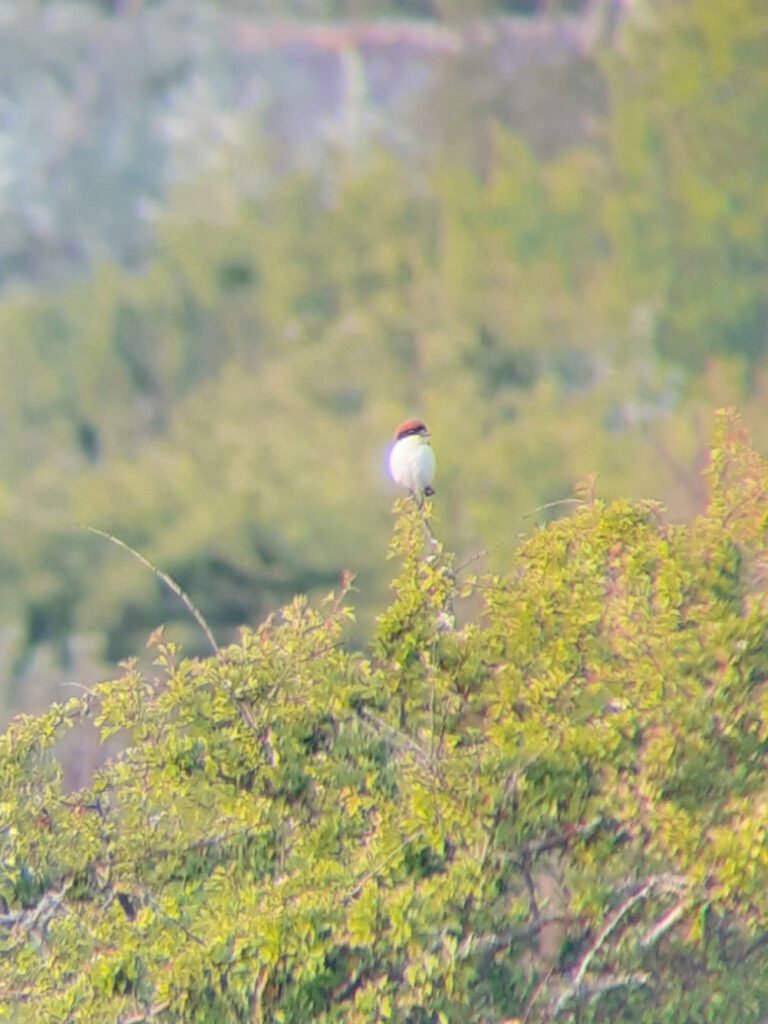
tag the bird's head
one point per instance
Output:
(411, 428)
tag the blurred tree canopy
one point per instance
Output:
(553, 812)
(689, 208)
(222, 398)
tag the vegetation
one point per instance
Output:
(226, 407)
(532, 788)
(554, 810)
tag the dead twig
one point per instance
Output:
(578, 988)
(169, 581)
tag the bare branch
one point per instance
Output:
(542, 984)
(491, 943)
(759, 942)
(597, 988)
(585, 830)
(578, 988)
(38, 916)
(663, 924)
(169, 581)
(614, 919)
(257, 1010)
(552, 504)
(399, 739)
(150, 1013)
(524, 853)
(363, 880)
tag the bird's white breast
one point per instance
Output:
(412, 463)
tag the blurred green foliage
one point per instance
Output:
(690, 210)
(225, 408)
(555, 811)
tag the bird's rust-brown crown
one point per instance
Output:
(410, 427)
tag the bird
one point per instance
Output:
(412, 460)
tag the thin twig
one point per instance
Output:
(167, 580)
(663, 924)
(608, 928)
(257, 1010)
(552, 504)
(363, 880)
(150, 1013)
(480, 554)
(537, 992)
(489, 944)
(38, 915)
(399, 738)
(606, 983)
(527, 851)
(759, 942)
(425, 509)
(665, 883)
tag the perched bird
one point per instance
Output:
(411, 460)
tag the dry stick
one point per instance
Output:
(667, 883)
(142, 1016)
(401, 739)
(552, 504)
(257, 1009)
(421, 505)
(608, 928)
(363, 880)
(541, 985)
(605, 983)
(167, 580)
(663, 924)
(434, 544)
(480, 554)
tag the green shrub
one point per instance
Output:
(555, 808)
